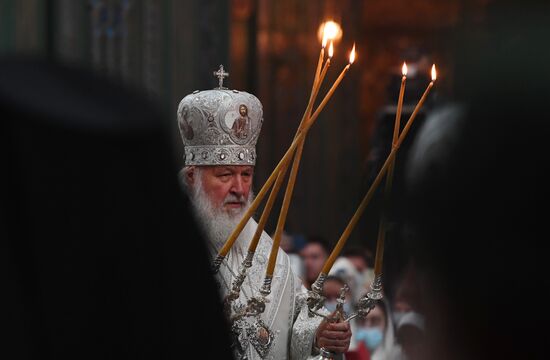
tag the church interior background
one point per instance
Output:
(169, 48)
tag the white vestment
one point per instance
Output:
(286, 312)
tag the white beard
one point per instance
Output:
(217, 223)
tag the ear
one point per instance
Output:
(191, 176)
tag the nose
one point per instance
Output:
(237, 186)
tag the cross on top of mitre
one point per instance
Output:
(221, 74)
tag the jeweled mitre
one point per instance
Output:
(220, 127)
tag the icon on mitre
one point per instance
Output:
(239, 123)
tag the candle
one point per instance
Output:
(316, 87)
(318, 79)
(417, 108)
(321, 76)
(295, 166)
(320, 62)
(294, 171)
(267, 210)
(332, 89)
(321, 56)
(351, 225)
(318, 69)
(263, 191)
(284, 210)
(389, 180)
(399, 105)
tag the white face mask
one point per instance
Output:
(371, 336)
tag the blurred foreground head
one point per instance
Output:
(471, 280)
(96, 234)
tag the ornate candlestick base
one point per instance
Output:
(237, 283)
(367, 303)
(248, 327)
(265, 290)
(250, 331)
(339, 315)
(315, 298)
(375, 292)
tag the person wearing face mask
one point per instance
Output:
(376, 333)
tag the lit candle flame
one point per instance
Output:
(352, 55)
(434, 73)
(331, 50)
(404, 69)
(329, 30)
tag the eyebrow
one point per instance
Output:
(232, 169)
(223, 169)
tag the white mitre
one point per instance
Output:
(220, 126)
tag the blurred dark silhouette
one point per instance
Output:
(100, 256)
(450, 222)
(471, 163)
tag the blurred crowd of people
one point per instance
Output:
(394, 329)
